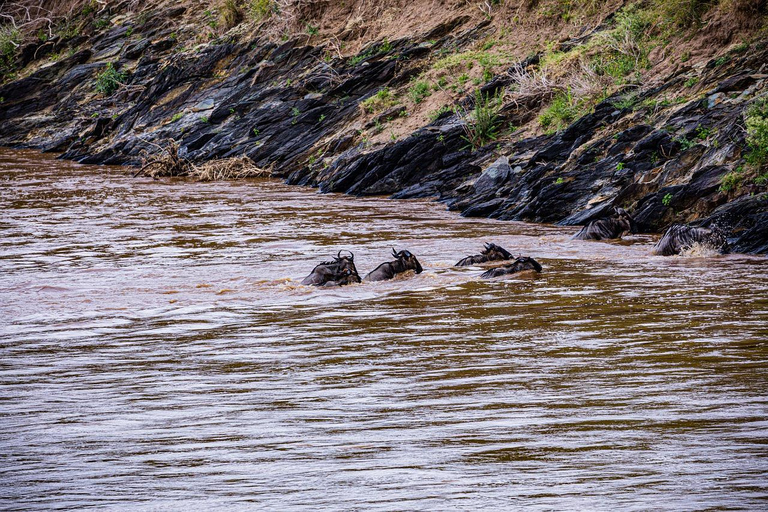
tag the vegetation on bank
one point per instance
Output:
(552, 79)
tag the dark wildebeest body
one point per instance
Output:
(338, 272)
(405, 261)
(520, 264)
(608, 227)
(492, 252)
(680, 238)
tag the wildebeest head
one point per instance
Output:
(339, 272)
(625, 220)
(527, 263)
(346, 267)
(407, 260)
(608, 227)
(494, 253)
(521, 264)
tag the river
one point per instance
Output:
(158, 352)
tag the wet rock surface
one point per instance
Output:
(291, 108)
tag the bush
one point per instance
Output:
(684, 13)
(756, 121)
(260, 9)
(382, 100)
(109, 80)
(9, 41)
(230, 14)
(481, 127)
(731, 181)
(419, 90)
(563, 110)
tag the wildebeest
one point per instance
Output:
(520, 264)
(608, 227)
(404, 261)
(338, 272)
(680, 237)
(492, 252)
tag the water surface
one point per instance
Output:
(157, 352)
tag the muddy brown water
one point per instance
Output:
(158, 352)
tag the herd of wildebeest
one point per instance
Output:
(342, 271)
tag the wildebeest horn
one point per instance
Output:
(351, 255)
(487, 245)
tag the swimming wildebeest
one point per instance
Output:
(608, 227)
(520, 264)
(492, 252)
(405, 261)
(680, 238)
(338, 272)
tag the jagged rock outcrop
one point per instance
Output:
(292, 108)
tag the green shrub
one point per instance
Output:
(439, 112)
(260, 10)
(684, 13)
(731, 181)
(756, 121)
(482, 126)
(10, 38)
(230, 14)
(382, 100)
(384, 47)
(667, 199)
(563, 110)
(419, 90)
(109, 80)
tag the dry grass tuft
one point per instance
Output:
(529, 82)
(236, 168)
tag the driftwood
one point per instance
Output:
(229, 169)
(167, 163)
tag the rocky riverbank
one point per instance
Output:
(668, 143)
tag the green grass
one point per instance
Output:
(419, 91)
(487, 60)
(683, 13)
(260, 10)
(731, 181)
(563, 110)
(439, 112)
(382, 100)
(626, 102)
(483, 125)
(692, 81)
(756, 121)
(666, 199)
(109, 80)
(176, 117)
(10, 38)
(384, 47)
